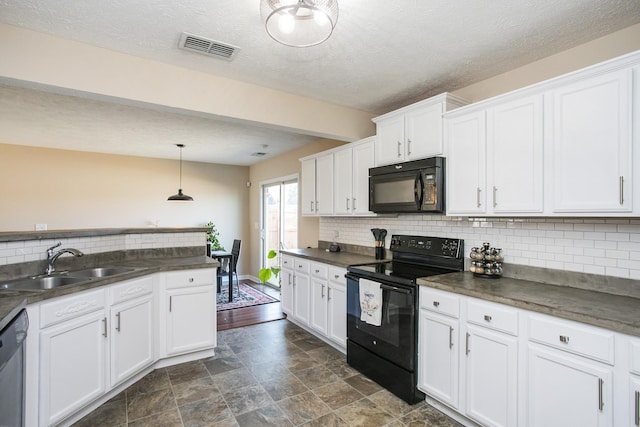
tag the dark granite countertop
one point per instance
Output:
(339, 259)
(618, 313)
(11, 302)
(14, 236)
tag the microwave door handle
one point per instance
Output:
(418, 191)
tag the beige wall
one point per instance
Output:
(598, 50)
(70, 189)
(281, 166)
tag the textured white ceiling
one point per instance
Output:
(383, 54)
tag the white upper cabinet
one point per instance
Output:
(514, 156)
(317, 185)
(413, 132)
(558, 148)
(590, 140)
(351, 185)
(466, 164)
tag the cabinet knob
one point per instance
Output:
(190, 279)
(436, 303)
(335, 276)
(564, 339)
(487, 318)
(317, 271)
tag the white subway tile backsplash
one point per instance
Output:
(592, 245)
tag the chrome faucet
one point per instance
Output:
(52, 256)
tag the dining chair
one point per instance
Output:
(235, 250)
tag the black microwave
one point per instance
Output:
(416, 186)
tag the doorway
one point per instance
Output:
(279, 219)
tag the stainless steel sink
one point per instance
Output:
(40, 283)
(100, 272)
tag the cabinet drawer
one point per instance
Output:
(287, 262)
(337, 275)
(493, 316)
(301, 266)
(439, 302)
(572, 337)
(131, 289)
(634, 351)
(178, 279)
(69, 307)
(319, 270)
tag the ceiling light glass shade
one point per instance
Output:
(180, 197)
(299, 23)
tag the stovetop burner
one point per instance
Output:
(414, 257)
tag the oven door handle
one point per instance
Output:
(395, 289)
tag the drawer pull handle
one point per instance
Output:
(467, 349)
(487, 318)
(317, 271)
(104, 323)
(637, 417)
(450, 337)
(564, 339)
(118, 323)
(322, 291)
(600, 401)
(436, 303)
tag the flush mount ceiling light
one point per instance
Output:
(299, 23)
(180, 196)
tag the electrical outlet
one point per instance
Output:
(41, 227)
(336, 234)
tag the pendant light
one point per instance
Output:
(299, 23)
(180, 196)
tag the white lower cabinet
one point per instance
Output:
(566, 390)
(316, 293)
(508, 367)
(439, 355)
(189, 311)
(337, 306)
(491, 377)
(88, 343)
(72, 365)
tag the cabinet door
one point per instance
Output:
(318, 305)
(514, 156)
(423, 132)
(337, 299)
(568, 391)
(363, 160)
(324, 184)
(390, 140)
(286, 291)
(72, 366)
(190, 319)
(131, 338)
(466, 180)
(301, 298)
(308, 186)
(343, 185)
(591, 144)
(438, 357)
(491, 374)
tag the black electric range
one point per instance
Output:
(386, 350)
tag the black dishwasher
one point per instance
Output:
(12, 370)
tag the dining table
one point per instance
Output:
(221, 256)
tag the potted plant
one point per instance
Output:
(265, 273)
(213, 243)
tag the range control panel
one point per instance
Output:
(422, 245)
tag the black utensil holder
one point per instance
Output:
(380, 253)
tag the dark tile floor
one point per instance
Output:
(271, 374)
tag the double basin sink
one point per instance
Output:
(58, 279)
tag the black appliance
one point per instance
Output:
(12, 371)
(388, 354)
(416, 186)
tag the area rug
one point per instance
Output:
(245, 296)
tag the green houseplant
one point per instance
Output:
(212, 237)
(265, 273)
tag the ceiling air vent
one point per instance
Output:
(258, 154)
(205, 46)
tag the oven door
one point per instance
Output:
(395, 339)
